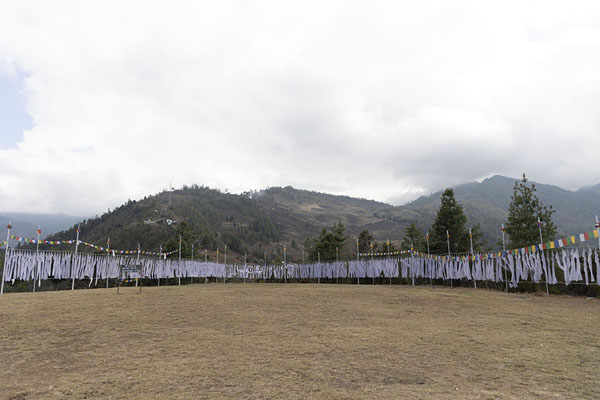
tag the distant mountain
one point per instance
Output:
(49, 223)
(486, 203)
(26, 225)
(264, 221)
(19, 228)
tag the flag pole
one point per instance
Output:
(37, 259)
(320, 268)
(449, 256)
(388, 248)
(357, 259)
(179, 265)
(72, 269)
(503, 253)
(138, 262)
(373, 278)
(192, 277)
(8, 228)
(598, 230)
(429, 262)
(472, 254)
(284, 263)
(412, 262)
(539, 223)
(159, 257)
(107, 260)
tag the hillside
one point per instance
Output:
(486, 203)
(265, 221)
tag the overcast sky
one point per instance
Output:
(105, 101)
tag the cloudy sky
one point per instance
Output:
(105, 101)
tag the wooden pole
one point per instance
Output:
(504, 252)
(37, 258)
(8, 228)
(471, 239)
(72, 271)
(449, 256)
(107, 260)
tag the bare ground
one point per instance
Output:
(276, 341)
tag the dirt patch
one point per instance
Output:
(297, 341)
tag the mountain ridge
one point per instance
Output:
(259, 222)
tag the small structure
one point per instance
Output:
(127, 272)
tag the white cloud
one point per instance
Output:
(376, 100)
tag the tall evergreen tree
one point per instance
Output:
(523, 212)
(450, 218)
(413, 237)
(365, 238)
(329, 244)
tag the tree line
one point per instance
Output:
(450, 232)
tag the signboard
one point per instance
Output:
(127, 272)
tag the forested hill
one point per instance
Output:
(252, 223)
(265, 221)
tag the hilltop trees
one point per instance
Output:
(523, 213)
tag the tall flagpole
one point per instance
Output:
(320, 268)
(73, 269)
(472, 254)
(449, 256)
(159, 258)
(284, 263)
(192, 277)
(598, 230)
(8, 228)
(412, 262)
(597, 266)
(388, 248)
(373, 278)
(37, 257)
(138, 262)
(539, 223)
(428, 261)
(357, 259)
(107, 260)
(179, 266)
(503, 254)
(245, 267)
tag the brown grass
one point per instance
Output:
(263, 341)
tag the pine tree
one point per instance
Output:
(365, 238)
(413, 238)
(329, 244)
(523, 213)
(450, 218)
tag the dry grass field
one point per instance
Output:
(276, 341)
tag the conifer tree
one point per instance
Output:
(523, 212)
(329, 244)
(450, 218)
(365, 238)
(413, 238)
